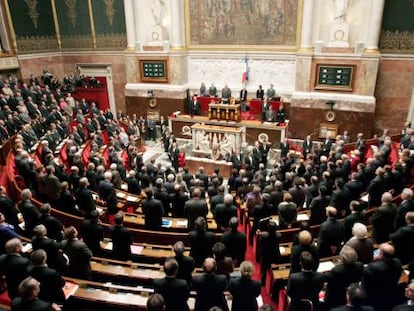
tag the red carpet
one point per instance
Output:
(250, 255)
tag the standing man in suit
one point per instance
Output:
(356, 216)
(326, 145)
(84, 198)
(407, 205)
(235, 242)
(14, 266)
(307, 146)
(185, 263)
(153, 211)
(284, 148)
(212, 91)
(305, 284)
(79, 255)
(381, 278)
(243, 99)
(51, 282)
(244, 290)
(237, 159)
(121, 239)
(92, 233)
(107, 193)
(174, 153)
(201, 241)
(265, 109)
(383, 219)
(355, 296)
(331, 234)
(257, 156)
(226, 94)
(210, 288)
(260, 93)
(402, 240)
(194, 208)
(174, 291)
(194, 106)
(29, 211)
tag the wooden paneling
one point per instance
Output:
(140, 105)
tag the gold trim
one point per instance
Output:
(299, 24)
(178, 48)
(56, 22)
(91, 21)
(306, 50)
(10, 22)
(130, 49)
(33, 14)
(372, 51)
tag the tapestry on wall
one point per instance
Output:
(243, 22)
(398, 26)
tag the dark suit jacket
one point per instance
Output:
(405, 207)
(79, 259)
(194, 108)
(185, 268)
(295, 253)
(92, 234)
(403, 240)
(33, 305)
(304, 285)
(338, 279)
(383, 222)
(331, 235)
(235, 242)
(210, 288)
(375, 190)
(55, 259)
(107, 193)
(121, 241)
(30, 215)
(403, 307)
(85, 200)
(51, 284)
(201, 244)
(223, 213)
(348, 308)
(318, 209)
(14, 268)
(174, 291)
(340, 199)
(177, 203)
(133, 185)
(244, 292)
(194, 208)
(380, 280)
(153, 212)
(307, 147)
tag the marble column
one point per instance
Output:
(374, 28)
(307, 16)
(130, 23)
(177, 24)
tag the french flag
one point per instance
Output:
(245, 76)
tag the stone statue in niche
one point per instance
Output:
(158, 33)
(339, 30)
(203, 141)
(227, 145)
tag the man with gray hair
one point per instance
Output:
(383, 219)
(407, 205)
(224, 211)
(341, 276)
(84, 198)
(185, 263)
(361, 243)
(403, 240)
(107, 193)
(29, 211)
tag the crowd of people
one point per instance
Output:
(325, 181)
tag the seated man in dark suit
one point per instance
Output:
(174, 291)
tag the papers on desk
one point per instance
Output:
(325, 266)
(182, 223)
(124, 187)
(27, 247)
(282, 250)
(131, 198)
(166, 223)
(95, 196)
(100, 210)
(302, 217)
(259, 301)
(364, 198)
(136, 249)
(107, 246)
(121, 195)
(69, 289)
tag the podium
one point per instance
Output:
(224, 112)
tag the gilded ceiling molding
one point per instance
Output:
(109, 10)
(34, 15)
(71, 4)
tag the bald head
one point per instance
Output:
(305, 238)
(386, 250)
(209, 265)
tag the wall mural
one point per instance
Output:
(243, 22)
(398, 26)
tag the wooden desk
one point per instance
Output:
(224, 112)
(209, 165)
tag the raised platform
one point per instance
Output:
(255, 129)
